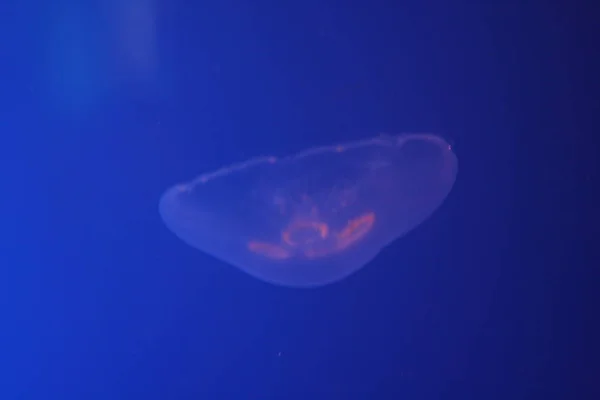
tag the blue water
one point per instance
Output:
(105, 105)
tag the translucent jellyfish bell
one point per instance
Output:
(318, 216)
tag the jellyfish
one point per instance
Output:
(316, 217)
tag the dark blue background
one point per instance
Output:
(486, 300)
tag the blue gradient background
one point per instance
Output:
(105, 105)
